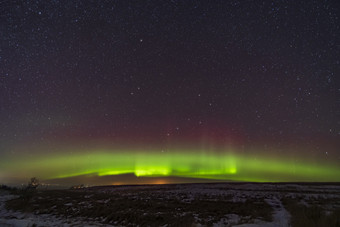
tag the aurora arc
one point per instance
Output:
(205, 165)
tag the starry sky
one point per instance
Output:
(219, 90)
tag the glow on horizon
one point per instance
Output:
(176, 163)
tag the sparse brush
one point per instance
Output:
(312, 216)
(8, 188)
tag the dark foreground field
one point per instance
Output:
(223, 204)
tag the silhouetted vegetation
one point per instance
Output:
(27, 192)
(33, 183)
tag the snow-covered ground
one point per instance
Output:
(18, 219)
(195, 201)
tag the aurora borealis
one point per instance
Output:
(200, 90)
(190, 164)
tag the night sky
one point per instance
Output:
(218, 90)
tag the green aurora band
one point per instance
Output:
(176, 163)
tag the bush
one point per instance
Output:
(28, 192)
(33, 184)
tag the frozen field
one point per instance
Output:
(222, 204)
